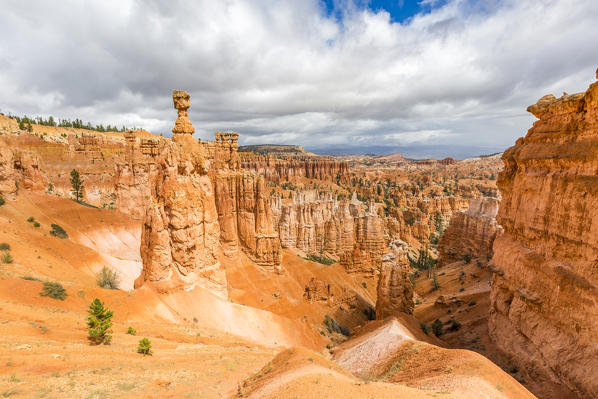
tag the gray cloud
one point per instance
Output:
(285, 72)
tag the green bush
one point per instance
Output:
(467, 258)
(454, 325)
(30, 219)
(53, 290)
(58, 231)
(4, 246)
(333, 326)
(2, 202)
(472, 303)
(99, 322)
(36, 224)
(320, 259)
(6, 257)
(131, 331)
(108, 279)
(145, 347)
(437, 328)
(30, 278)
(425, 328)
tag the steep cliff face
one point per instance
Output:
(245, 218)
(277, 170)
(395, 291)
(544, 298)
(470, 233)
(418, 219)
(132, 181)
(19, 169)
(319, 223)
(180, 236)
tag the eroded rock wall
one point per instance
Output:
(470, 233)
(245, 218)
(280, 170)
(180, 241)
(544, 297)
(395, 291)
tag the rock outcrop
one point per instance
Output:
(180, 241)
(470, 233)
(245, 218)
(318, 223)
(281, 170)
(544, 297)
(19, 169)
(395, 291)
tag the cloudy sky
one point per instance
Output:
(428, 77)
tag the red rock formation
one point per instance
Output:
(318, 223)
(395, 291)
(19, 169)
(280, 170)
(544, 298)
(470, 233)
(245, 218)
(180, 241)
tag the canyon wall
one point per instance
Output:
(470, 233)
(245, 218)
(395, 291)
(280, 170)
(318, 223)
(544, 297)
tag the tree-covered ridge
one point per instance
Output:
(25, 123)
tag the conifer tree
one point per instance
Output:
(77, 185)
(99, 323)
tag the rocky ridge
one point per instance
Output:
(544, 297)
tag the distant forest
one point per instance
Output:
(25, 124)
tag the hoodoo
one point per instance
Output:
(544, 298)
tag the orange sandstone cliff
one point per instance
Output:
(470, 233)
(544, 297)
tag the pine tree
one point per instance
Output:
(99, 323)
(77, 185)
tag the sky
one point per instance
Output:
(426, 78)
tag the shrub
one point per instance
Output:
(467, 258)
(2, 202)
(53, 290)
(30, 219)
(454, 325)
(131, 331)
(4, 246)
(58, 231)
(472, 303)
(145, 347)
(461, 289)
(36, 224)
(108, 279)
(30, 278)
(6, 257)
(425, 328)
(333, 326)
(320, 259)
(99, 322)
(370, 313)
(437, 327)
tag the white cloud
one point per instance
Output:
(286, 72)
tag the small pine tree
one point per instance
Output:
(77, 185)
(99, 323)
(145, 346)
(437, 327)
